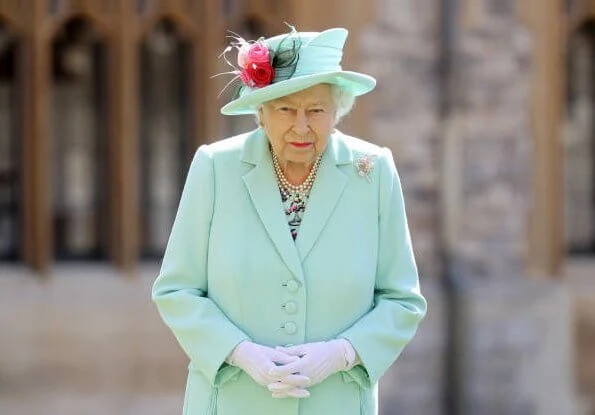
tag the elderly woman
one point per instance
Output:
(289, 278)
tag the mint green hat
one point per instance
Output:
(318, 61)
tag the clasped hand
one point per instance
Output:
(287, 371)
(258, 362)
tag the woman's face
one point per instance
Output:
(298, 125)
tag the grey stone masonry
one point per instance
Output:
(517, 342)
(415, 382)
(516, 353)
(493, 109)
(401, 51)
(518, 348)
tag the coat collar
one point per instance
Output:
(262, 187)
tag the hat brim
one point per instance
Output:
(354, 82)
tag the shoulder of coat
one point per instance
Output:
(229, 146)
(360, 147)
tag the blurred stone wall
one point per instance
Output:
(516, 339)
(491, 117)
(493, 111)
(401, 51)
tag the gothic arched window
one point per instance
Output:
(579, 149)
(9, 149)
(165, 144)
(79, 147)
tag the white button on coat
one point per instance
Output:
(290, 327)
(290, 307)
(292, 286)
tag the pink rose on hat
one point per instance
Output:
(255, 61)
(256, 52)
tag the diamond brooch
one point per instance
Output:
(364, 165)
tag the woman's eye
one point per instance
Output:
(317, 110)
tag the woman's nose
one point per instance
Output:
(301, 123)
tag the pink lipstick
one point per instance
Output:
(300, 145)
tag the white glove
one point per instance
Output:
(317, 362)
(258, 361)
(281, 389)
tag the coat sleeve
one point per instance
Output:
(181, 289)
(380, 336)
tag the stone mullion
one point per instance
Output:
(123, 142)
(27, 166)
(35, 60)
(547, 245)
(206, 45)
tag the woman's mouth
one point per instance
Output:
(299, 144)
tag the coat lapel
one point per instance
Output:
(262, 187)
(326, 192)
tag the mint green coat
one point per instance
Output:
(231, 271)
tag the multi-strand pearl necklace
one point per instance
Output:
(295, 191)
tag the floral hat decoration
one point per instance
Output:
(281, 65)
